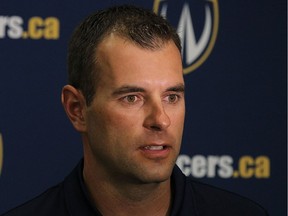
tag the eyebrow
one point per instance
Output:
(127, 89)
(178, 88)
(130, 89)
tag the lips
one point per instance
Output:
(154, 151)
(154, 147)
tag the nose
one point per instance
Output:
(156, 117)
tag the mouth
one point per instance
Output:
(155, 147)
(156, 151)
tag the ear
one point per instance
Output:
(74, 104)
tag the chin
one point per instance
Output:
(158, 176)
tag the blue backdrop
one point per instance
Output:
(234, 58)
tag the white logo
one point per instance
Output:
(195, 50)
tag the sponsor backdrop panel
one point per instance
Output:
(234, 60)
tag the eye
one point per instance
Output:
(172, 98)
(130, 98)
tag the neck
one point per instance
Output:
(125, 198)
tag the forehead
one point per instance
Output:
(122, 62)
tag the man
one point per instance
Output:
(126, 99)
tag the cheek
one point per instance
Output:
(177, 124)
(121, 120)
(177, 116)
(124, 116)
(114, 122)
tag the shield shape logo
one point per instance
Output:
(197, 23)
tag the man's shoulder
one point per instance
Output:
(50, 202)
(211, 199)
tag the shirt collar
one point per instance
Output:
(183, 195)
(79, 204)
(76, 195)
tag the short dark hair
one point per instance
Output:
(140, 26)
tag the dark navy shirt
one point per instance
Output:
(190, 198)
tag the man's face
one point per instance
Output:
(135, 121)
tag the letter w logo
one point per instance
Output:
(195, 52)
